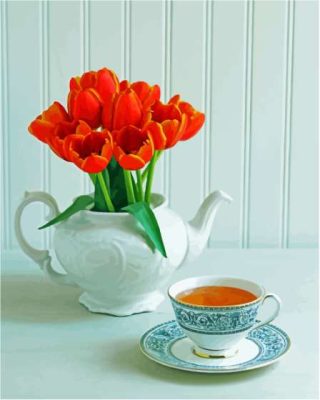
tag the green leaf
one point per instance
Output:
(99, 201)
(117, 185)
(144, 214)
(81, 203)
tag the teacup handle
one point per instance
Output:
(275, 312)
(41, 257)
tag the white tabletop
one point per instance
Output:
(54, 348)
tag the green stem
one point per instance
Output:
(152, 164)
(134, 185)
(129, 188)
(139, 185)
(145, 172)
(105, 192)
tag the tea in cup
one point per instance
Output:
(216, 313)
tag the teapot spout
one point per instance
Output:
(199, 228)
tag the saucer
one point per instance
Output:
(166, 344)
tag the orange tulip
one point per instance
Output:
(88, 93)
(127, 110)
(124, 109)
(52, 126)
(45, 124)
(147, 94)
(170, 123)
(195, 119)
(89, 150)
(57, 140)
(133, 147)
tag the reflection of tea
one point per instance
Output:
(216, 296)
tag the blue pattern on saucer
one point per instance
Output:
(157, 342)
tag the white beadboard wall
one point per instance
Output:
(252, 66)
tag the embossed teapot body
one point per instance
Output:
(110, 258)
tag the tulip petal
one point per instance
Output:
(94, 164)
(45, 124)
(83, 128)
(75, 83)
(154, 95)
(158, 136)
(124, 85)
(57, 140)
(162, 112)
(72, 147)
(57, 146)
(146, 93)
(127, 110)
(89, 92)
(129, 138)
(194, 124)
(142, 89)
(183, 125)
(107, 112)
(87, 108)
(146, 117)
(92, 143)
(41, 129)
(67, 150)
(195, 119)
(146, 151)
(55, 113)
(171, 128)
(107, 150)
(175, 100)
(91, 152)
(88, 80)
(131, 162)
(107, 83)
(71, 99)
(174, 130)
(186, 108)
(132, 147)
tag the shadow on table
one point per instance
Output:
(129, 358)
(33, 299)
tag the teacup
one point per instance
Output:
(217, 331)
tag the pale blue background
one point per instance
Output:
(252, 67)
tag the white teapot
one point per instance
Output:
(109, 257)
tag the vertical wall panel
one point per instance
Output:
(146, 54)
(105, 35)
(23, 83)
(146, 41)
(268, 78)
(303, 201)
(228, 63)
(5, 230)
(64, 62)
(284, 217)
(187, 74)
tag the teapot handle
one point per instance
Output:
(41, 257)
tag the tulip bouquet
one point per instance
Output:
(116, 131)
